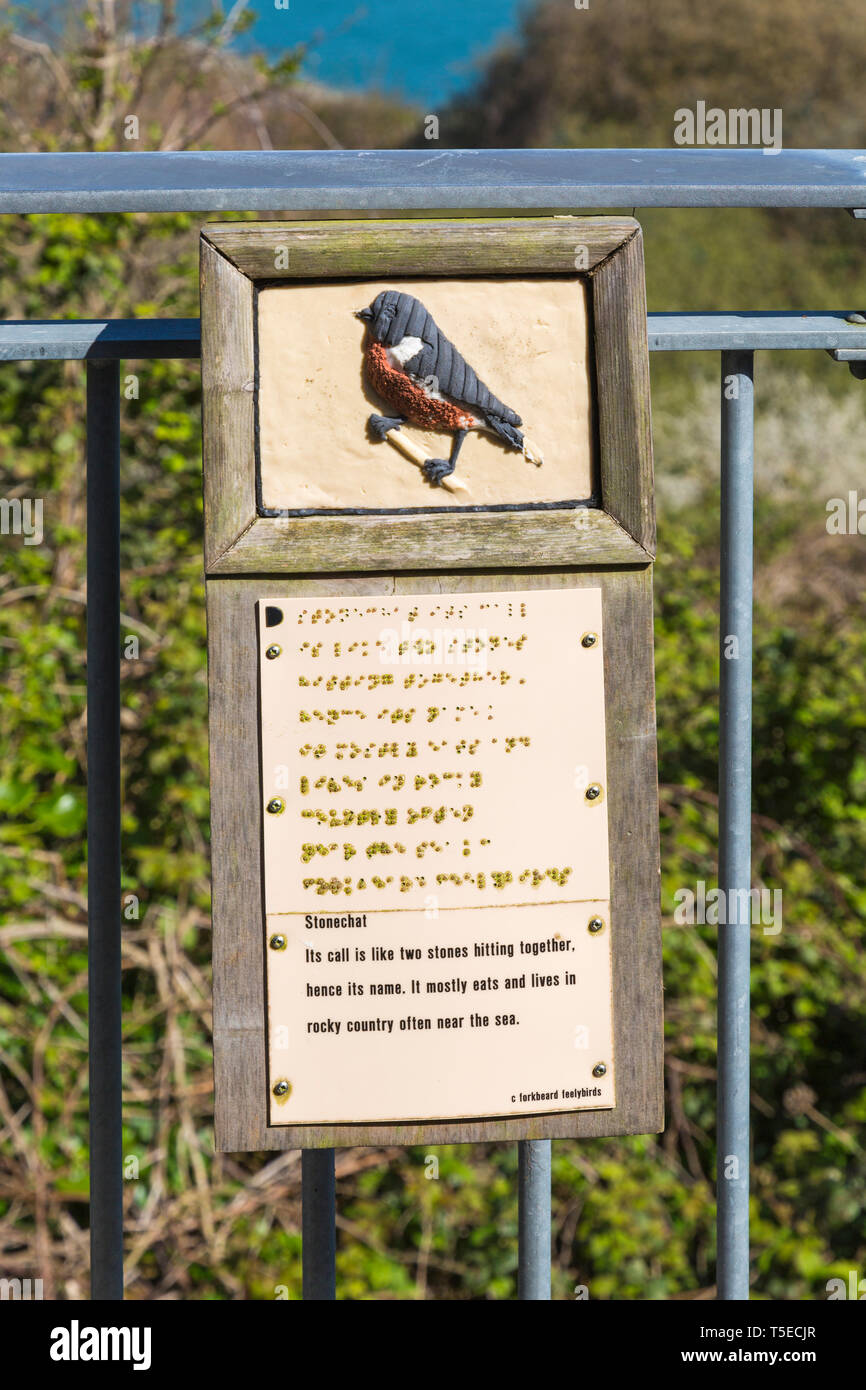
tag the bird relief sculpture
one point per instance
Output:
(420, 374)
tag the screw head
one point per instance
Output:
(276, 805)
(593, 791)
(855, 318)
(280, 1088)
(589, 639)
(595, 925)
(273, 652)
(599, 1069)
(277, 943)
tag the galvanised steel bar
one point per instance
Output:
(429, 180)
(103, 828)
(318, 1225)
(28, 340)
(833, 331)
(735, 826)
(31, 340)
(533, 1228)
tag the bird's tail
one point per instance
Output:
(505, 429)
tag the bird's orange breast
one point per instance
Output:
(395, 387)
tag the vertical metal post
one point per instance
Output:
(318, 1225)
(103, 828)
(735, 808)
(533, 1238)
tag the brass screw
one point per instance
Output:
(593, 791)
(595, 925)
(598, 1070)
(281, 1088)
(276, 805)
(589, 639)
(277, 943)
(273, 652)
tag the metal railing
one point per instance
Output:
(459, 182)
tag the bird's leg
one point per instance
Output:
(379, 425)
(437, 469)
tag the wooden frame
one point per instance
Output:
(236, 837)
(248, 555)
(238, 258)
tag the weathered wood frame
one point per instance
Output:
(236, 258)
(249, 556)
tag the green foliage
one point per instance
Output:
(633, 1217)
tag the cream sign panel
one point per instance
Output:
(322, 391)
(436, 862)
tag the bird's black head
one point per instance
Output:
(380, 315)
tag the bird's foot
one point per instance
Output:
(437, 469)
(379, 425)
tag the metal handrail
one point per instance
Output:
(430, 180)
(28, 340)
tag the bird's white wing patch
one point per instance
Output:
(403, 351)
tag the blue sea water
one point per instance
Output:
(421, 50)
